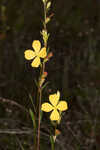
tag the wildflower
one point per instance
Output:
(56, 107)
(36, 54)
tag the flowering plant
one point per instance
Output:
(39, 57)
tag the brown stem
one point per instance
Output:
(39, 88)
(38, 136)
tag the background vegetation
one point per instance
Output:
(74, 69)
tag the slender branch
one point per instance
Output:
(19, 132)
(39, 88)
(15, 131)
(38, 142)
(12, 102)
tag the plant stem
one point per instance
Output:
(39, 87)
(38, 136)
(53, 147)
(52, 142)
(45, 15)
(45, 27)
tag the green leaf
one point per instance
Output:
(36, 82)
(32, 117)
(30, 97)
(45, 85)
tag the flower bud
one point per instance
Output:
(48, 5)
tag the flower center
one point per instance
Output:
(54, 107)
(36, 53)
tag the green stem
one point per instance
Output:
(52, 143)
(53, 146)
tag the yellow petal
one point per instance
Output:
(62, 106)
(36, 62)
(36, 45)
(54, 98)
(29, 54)
(42, 53)
(55, 115)
(58, 95)
(46, 107)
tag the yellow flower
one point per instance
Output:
(36, 54)
(55, 106)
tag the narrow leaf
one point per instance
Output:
(32, 117)
(30, 97)
(45, 85)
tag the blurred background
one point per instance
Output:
(74, 69)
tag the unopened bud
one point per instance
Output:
(57, 132)
(54, 138)
(44, 1)
(45, 74)
(50, 55)
(47, 20)
(48, 5)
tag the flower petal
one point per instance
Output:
(36, 62)
(55, 115)
(36, 45)
(58, 95)
(54, 98)
(42, 53)
(62, 106)
(46, 107)
(29, 54)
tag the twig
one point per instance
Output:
(19, 132)
(12, 102)
(15, 131)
